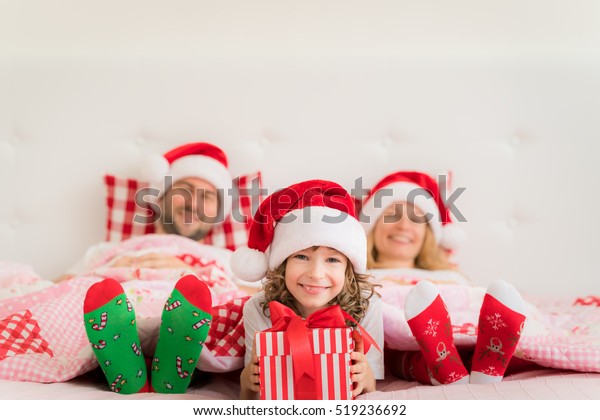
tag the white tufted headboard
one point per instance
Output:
(512, 113)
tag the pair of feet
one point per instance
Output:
(110, 325)
(501, 321)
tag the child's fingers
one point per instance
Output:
(357, 368)
(357, 377)
(358, 365)
(255, 379)
(255, 370)
(357, 390)
(357, 357)
(250, 378)
(254, 383)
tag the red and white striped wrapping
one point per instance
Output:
(331, 358)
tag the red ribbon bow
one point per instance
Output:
(296, 331)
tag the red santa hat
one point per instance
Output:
(310, 213)
(192, 160)
(422, 191)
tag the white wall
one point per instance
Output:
(300, 28)
(503, 93)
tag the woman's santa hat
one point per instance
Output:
(422, 191)
(310, 213)
(193, 160)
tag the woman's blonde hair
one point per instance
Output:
(354, 297)
(431, 256)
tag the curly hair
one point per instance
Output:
(431, 256)
(354, 297)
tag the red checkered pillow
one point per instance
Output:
(122, 211)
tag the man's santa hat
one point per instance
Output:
(193, 160)
(310, 213)
(422, 191)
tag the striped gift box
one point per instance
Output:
(331, 358)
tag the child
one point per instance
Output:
(110, 325)
(316, 258)
(408, 226)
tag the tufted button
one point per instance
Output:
(512, 223)
(515, 141)
(264, 142)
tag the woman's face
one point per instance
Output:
(399, 235)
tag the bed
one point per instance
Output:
(508, 124)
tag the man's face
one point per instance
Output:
(189, 208)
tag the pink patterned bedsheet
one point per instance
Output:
(560, 332)
(17, 279)
(42, 335)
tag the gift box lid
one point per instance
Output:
(322, 340)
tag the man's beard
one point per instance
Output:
(171, 228)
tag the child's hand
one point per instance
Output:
(250, 379)
(360, 372)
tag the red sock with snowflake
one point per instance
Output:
(501, 321)
(429, 322)
(184, 326)
(111, 329)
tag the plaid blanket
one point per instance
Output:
(42, 335)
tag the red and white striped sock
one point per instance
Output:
(501, 321)
(429, 322)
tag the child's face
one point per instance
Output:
(399, 234)
(314, 276)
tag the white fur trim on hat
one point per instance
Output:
(156, 169)
(204, 167)
(319, 226)
(452, 236)
(401, 192)
(249, 264)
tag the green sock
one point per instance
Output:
(112, 332)
(184, 326)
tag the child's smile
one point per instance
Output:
(314, 290)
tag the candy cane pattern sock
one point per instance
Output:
(111, 329)
(429, 322)
(501, 321)
(184, 326)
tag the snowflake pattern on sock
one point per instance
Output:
(499, 332)
(433, 332)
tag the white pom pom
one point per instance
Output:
(249, 264)
(154, 168)
(452, 237)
